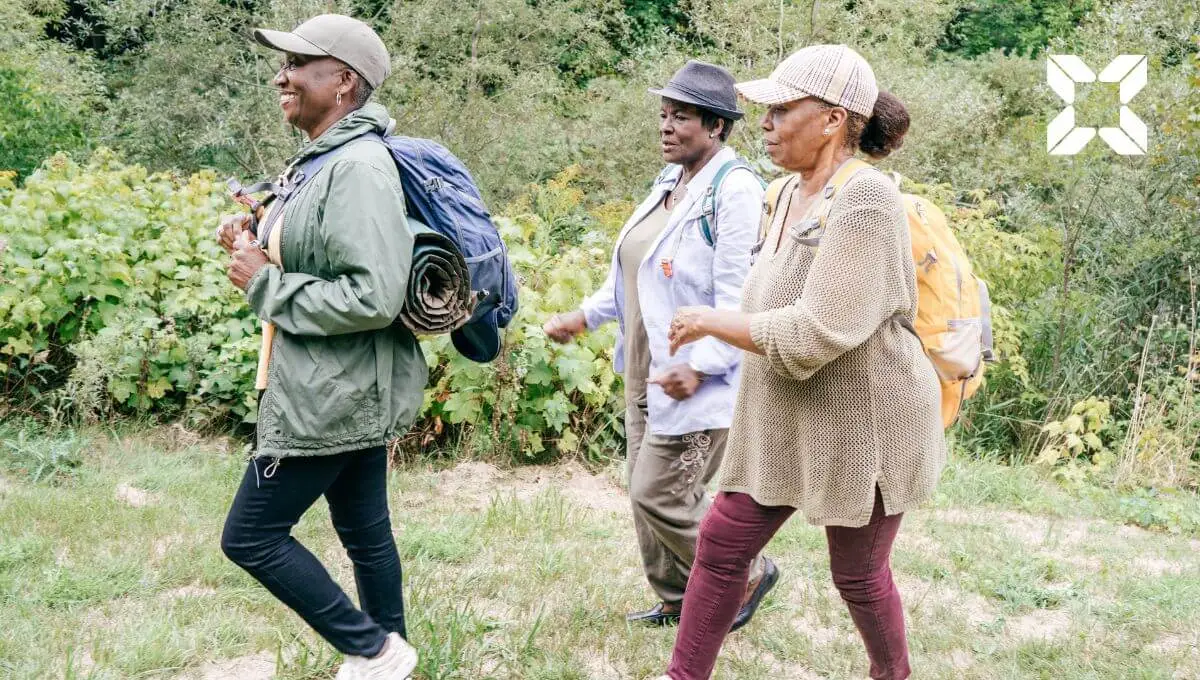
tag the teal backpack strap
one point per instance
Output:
(708, 211)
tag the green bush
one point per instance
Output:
(48, 94)
(1091, 258)
(115, 297)
(108, 263)
(1015, 27)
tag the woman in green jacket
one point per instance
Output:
(327, 275)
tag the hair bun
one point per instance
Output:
(886, 127)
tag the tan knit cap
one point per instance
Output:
(833, 73)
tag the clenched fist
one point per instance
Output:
(247, 258)
(679, 381)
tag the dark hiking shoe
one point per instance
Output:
(765, 584)
(658, 615)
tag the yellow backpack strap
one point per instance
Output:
(775, 192)
(843, 175)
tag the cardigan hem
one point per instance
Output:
(854, 523)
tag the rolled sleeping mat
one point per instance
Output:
(438, 298)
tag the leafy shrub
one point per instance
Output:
(1076, 446)
(1019, 27)
(114, 274)
(48, 94)
(120, 265)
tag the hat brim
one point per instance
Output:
(767, 91)
(479, 340)
(287, 42)
(680, 96)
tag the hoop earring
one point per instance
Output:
(339, 103)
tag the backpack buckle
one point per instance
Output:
(434, 184)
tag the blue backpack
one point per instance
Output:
(439, 191)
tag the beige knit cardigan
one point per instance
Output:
(844, 397)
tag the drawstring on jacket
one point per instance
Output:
(268, 473)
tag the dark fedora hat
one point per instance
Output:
(705, 85)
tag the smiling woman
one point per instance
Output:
(311, 90)
(317, 87)
(327, 273)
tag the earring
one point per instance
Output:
(339, 103)
(826, 132)
(711, 135)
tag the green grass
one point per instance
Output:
(528, 573)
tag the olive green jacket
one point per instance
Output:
(342, 375)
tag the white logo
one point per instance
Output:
(1063, 71)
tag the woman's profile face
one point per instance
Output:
(792, 132)
(308, 88)
(681, 133)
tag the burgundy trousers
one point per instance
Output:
(736, 529)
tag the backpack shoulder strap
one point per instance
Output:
(708, 213)
(296, 176)
(840, 178)
(776, 190)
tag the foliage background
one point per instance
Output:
(113, 300)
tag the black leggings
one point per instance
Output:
(257, 537)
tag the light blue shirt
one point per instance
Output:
(702, 275)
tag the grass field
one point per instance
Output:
(113, 570)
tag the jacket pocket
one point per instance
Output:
(315, 401)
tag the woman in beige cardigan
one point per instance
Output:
(837, 414)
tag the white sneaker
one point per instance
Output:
(395, 663)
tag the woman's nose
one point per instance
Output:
(280, 77)
(765, 123)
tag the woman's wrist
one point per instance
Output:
(706, 321)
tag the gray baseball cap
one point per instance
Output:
(338, 36)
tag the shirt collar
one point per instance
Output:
(672, 173)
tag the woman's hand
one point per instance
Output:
(247, 259)
(679, 381)
(562, 328)
(231, 226)
(689, 325)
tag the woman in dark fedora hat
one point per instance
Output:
(687, 244)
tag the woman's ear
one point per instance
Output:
(836, 117)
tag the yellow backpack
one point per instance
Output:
(954, 321)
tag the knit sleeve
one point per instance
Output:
(857, 281)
